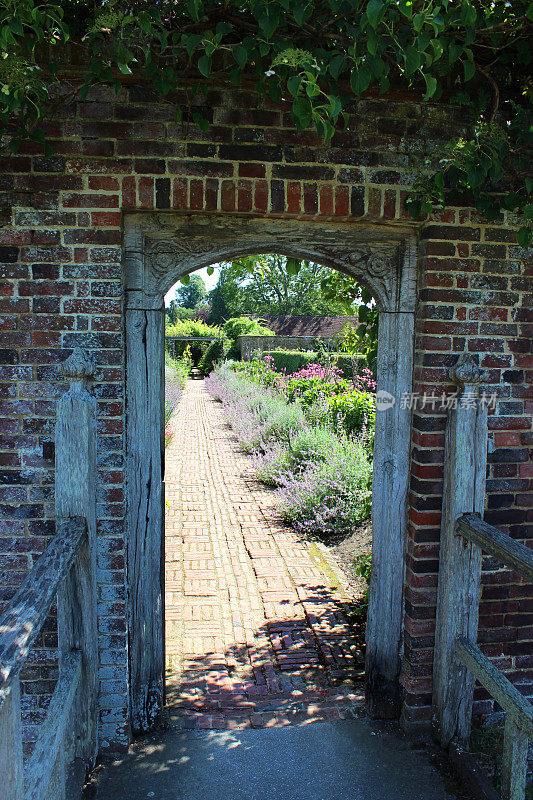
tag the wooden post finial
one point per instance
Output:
(466, 372)
(78, 368)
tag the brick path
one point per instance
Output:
(257, 623)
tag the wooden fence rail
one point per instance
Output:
(464, 535)
(66, 571)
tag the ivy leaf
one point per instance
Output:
(373, 10)
(210, 270)
(185, 280)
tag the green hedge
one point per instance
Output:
(215, 353)
(290, 361)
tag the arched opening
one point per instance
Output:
(276, 413)
(158, 250)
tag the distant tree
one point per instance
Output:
(219, 311)
(175, 312)
(191, 293)
(274, 284)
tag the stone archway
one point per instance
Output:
(158, 250)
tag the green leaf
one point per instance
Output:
(373, 11)
(524, 236)
(240, 54)
(412, 60)
(529, 12)
(185, 280)
(302, 111)
(269, 21)
(210, 270)
(336, 65)
(293, 266)
(418, 22)
(454, 52)
(431, 86)
(293, 84)
(470, 70)
(301, 13)
(204, 65)
(528, 211)
(360, 79)
(529, 183)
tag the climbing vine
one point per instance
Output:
(318, 54)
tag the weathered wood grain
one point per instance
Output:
(145, 512)
(53, 729)
(389, 519)
(514, 760)
(11, 767)
(459, 561)
(518, 722)
(497, 543)
(28, 609)
(495, 682)
(77, 602)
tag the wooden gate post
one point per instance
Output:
(465, 465)
(11, 768)
(75, 484)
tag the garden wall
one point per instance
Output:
(62, 285)
(248, 345)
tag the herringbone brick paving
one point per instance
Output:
(258, 631)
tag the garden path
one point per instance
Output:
(258, 636)
(259, 630)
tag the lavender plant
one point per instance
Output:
(323, 474)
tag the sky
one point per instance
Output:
(209, 280)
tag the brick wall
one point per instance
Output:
(61, 285)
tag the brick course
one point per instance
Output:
(61, 284)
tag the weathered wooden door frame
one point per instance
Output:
(158, 249)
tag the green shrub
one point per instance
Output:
(353, 410)
(243, 326)
(215, 353)
(195, 329)
(289, 361)
(349, 365)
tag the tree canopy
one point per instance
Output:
(318, 55)
(274, 284)
(191, 293)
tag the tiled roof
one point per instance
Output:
(299, 325)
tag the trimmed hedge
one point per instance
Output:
(215, 354)
(289, 361)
